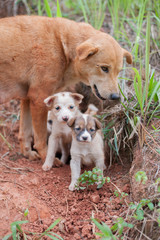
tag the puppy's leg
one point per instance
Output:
(52, 148)
(39, 122)
(100, 163)
(65, 151)
(26, 132)
(75, 165)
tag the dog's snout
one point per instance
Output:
(50, 122)
(65, 118)
(114, 96)
(85, 138)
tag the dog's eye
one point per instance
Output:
(92, 129)
(57, 108)
(71, 107)
(77, 128)
(105, 69)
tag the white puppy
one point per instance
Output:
(87, 145)
(64, 107)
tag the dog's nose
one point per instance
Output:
(50, 122)
(65, 118)
(114, 96)
(84, 138)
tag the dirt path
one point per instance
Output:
(23, 184)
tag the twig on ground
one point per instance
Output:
(143, 226)
(93, 225)
(1, 180)
(5, 140)
(143, 234)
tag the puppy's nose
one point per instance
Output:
(65, 118)
(50, 122)
(84, 138)
(114, 96)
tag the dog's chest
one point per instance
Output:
(84, 150)
(63, 128)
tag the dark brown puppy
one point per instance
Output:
(40, 56)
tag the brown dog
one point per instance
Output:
(40, 56)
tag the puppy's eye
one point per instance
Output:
(71, 107)
(77, 128)
(92, 129)
(105, 69)
(57, 108)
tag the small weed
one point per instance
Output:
(89, 178)
(18, 233)
(141, 177)
(114, 232)
(121, 195)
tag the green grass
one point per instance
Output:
(19, 233)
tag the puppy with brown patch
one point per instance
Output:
(40, 56)
(64, 107)
(87, 145)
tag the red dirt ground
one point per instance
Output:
(23, 184)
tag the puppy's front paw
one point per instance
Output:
(46, 167)
(72, 187)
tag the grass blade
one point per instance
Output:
(59, 13)
(47, 8)
(53, 224)
(7, 236)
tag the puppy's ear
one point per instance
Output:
(71, 122)
(85, 50)
(49, 101)
(77, 97)
(128, 56)
(98, 124)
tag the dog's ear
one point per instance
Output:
(71, 122)
(128, 56)
(98, 124)
(85, 50)
(77, 97)
(49, 101)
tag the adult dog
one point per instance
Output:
(40, 56)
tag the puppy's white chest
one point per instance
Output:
(64, 129)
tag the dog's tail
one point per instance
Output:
(92, 109)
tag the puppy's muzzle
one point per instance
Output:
(65, 118)
(85, 138)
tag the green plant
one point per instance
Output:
(141, 176)
(150, 91)
(89, 178)
(48, 9)
(18, 233)
(93, 11)
(16, 230)
(138, 207)
(114, 232)
(106, 233)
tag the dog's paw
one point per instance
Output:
(71, 187)
(46, 167)
(33, 155)
(57, 163)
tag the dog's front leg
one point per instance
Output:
(26, 132)
(65, 149)
(39, 122)
(75, 165)
(52, 148)
(100, 163)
